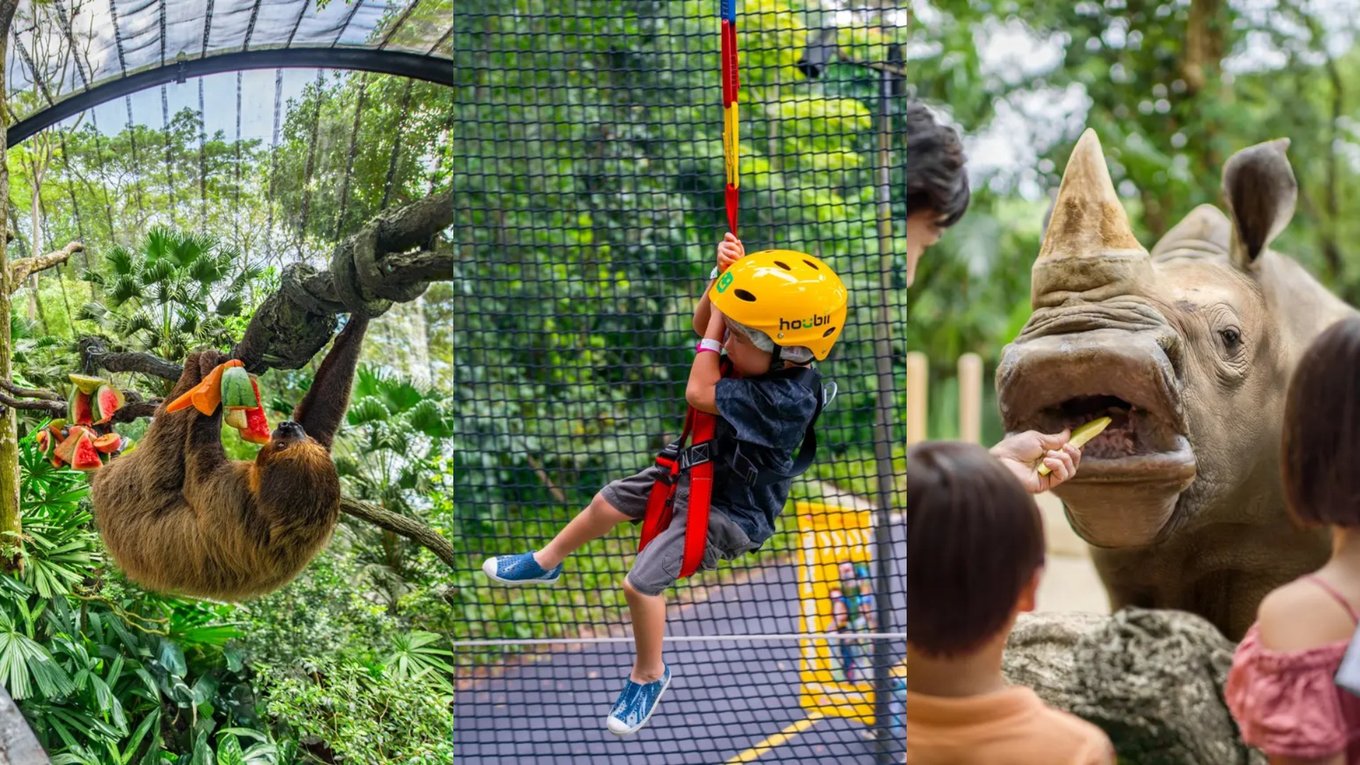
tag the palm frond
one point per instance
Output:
(92, 312)
(368, 410)
(159, 244)
(120, 260)
(125, 287)
(431, 419)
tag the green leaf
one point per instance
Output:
(429, 417)
(229, 750)
(203, 754)
(235, 659)
(172, 658)
(120, 260)
(152, 718)
(368, 410)
(229, 306)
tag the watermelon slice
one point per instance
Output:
(66, 450)
(237, 390)
(108, 399)
(257, 426)
(86, 456)
(86, 384)
(108, 443)
(237, 418)
(256, 429)
(80, 408)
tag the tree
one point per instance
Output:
(395, 433)
(177, 291)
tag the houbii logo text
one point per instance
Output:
(811, 321)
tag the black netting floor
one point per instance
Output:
(729, 701)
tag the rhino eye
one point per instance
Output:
(1231, 338)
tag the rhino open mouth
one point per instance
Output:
(1127, 487)
(1137, 440)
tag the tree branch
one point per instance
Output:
(55, 408)
(21, 269)
(368, 271)
(95, 355)
(402, 525)
(31, 392)
(423, 266)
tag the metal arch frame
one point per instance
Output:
(416, 66)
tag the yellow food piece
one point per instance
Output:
(1081, 436)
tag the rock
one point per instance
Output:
(1152, 679)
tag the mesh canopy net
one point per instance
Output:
(94, 50)
(588, 205)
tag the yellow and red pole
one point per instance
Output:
(730, 88)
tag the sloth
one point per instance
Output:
(181, 518)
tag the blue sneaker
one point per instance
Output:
(519, 569)
(635, 705)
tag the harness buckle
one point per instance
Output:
(668, 475)
(745, 469)
(697, 454)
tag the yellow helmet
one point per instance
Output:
(794, 298)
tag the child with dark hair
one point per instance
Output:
(937, 186)
(1281, 689)
(975, 554)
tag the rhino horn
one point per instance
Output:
(1089, 249)
(1088, 219)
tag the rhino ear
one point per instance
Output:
(1261, 191)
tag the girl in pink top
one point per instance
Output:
(1281, 689)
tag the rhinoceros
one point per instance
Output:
(1189, 349)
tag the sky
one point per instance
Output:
(219, 102)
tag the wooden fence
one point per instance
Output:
(970, 397)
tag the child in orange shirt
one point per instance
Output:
(975, 554)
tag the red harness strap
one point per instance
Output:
(675, 459)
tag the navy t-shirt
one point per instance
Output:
(768, 415)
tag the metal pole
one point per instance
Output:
(883, 425)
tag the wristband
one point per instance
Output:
(713, 274)
(707, 344)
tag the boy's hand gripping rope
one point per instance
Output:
(697, 459)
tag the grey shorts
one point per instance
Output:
(658, 566)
